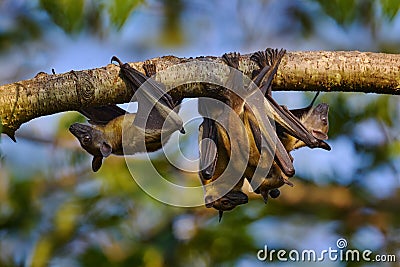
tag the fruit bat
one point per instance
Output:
(268, 62)
(294, 128)
(213, 131)
(104, 136)
(210, 110)
(215, 154)
(315, 120)
(216, 185)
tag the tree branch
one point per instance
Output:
(299, 71)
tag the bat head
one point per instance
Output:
(93, 141)
(228, 201)
(317, 121)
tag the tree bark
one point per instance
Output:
(46, 94)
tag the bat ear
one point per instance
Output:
(105, 149)
(96, 163)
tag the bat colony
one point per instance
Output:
(294, 129)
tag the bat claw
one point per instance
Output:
(232, 59)
(259, 58)
(149, 68)
(114, 58)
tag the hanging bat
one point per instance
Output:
(221, 182)
(220, 137)
(214, 109)
(268, 62)
(315, 120)
(213, 163)
(104, 136)
(291, 128)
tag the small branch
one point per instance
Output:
(299, 71)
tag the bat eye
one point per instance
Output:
(86, 139)
(225, 202)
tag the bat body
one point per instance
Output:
(315, 119)
(103, 140)
(142, 131)
(218, 191)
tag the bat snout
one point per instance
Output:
(230, 201)
(79, 129)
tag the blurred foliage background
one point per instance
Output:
(55, 211)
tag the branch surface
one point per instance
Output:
(47, 94)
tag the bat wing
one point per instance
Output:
(102, 115)
(155, 105)
(281, 157)
(270, 60)
(291, 123)
(208, 152)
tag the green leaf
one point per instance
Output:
(68, 14)
(394, 149)
(172, 33)
(381, 109)
(119, 11)
(390, 8)
(343, 11)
